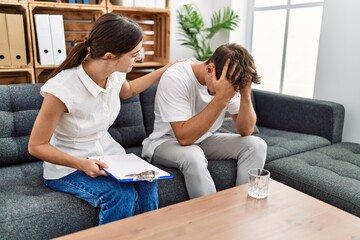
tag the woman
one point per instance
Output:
(81, 101)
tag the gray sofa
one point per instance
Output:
(303, 137)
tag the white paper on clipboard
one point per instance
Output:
(122, 165)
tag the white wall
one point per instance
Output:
(241, 35)
(338, 67)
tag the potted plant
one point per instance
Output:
(196, 36)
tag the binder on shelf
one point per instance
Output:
(5, 59)
(43, 36)
(128, 167)
(58, 38)
(16, 36)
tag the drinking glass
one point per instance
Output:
(258, 182)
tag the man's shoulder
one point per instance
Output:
(176, 74)
(180, 67)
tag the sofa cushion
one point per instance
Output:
(147, 102)
(329, 173)
(299, 114)
(25, 201)
(19, 107)
(283, 143)
(128, 128)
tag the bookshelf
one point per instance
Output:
(78, 20)
(15, 73)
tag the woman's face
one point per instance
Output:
(126, 62)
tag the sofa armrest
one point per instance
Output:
(298, 114)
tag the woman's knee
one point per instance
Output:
(146, 188)
(123, 195)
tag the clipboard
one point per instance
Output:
(123, 167)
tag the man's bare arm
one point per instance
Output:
(187, 132)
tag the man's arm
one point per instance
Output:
(187, 132)
(245, 120)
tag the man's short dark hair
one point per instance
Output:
(239, 57)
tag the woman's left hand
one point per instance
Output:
(179, 60)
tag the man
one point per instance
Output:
(190, 105)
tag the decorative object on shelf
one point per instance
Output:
(196, 35)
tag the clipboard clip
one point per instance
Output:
(148, 175)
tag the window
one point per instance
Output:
(284, 44)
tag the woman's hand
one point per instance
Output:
(93, 167)
(179, 60)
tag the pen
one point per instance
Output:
(100, 168)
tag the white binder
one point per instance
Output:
(44, 42)
(58, 38)
(5, 59)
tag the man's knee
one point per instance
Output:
(259, 144)
(259, 149)
(193, 157)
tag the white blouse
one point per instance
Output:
(83, 130)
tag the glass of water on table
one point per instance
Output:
(258, 182)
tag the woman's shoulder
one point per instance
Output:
(62, 77)
(63, 81)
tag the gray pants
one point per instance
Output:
(192, 161)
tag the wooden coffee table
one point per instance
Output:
(232, 214)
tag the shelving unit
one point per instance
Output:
(19, 73)
(78, 21)
(156, 26)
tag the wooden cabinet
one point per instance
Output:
(18, 73)
(78, 21)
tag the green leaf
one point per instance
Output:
(228, 19)
(195, 35)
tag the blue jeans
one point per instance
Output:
(116, 200)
